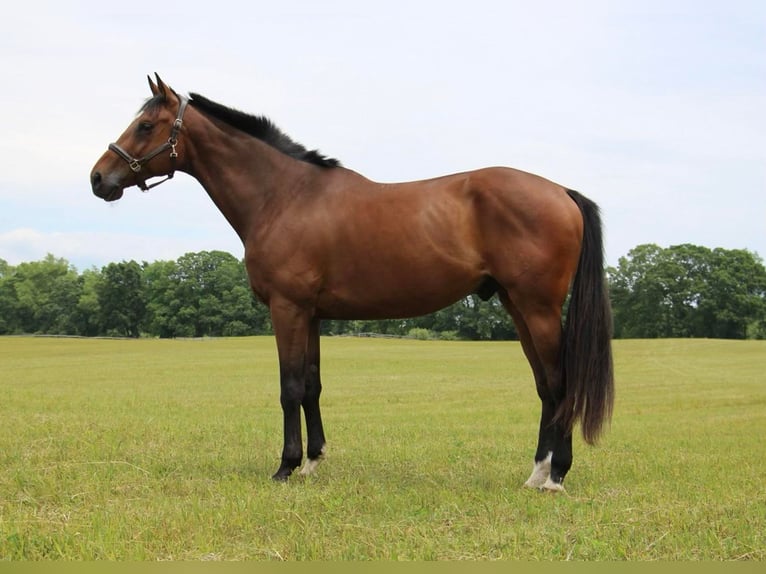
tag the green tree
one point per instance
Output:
(87, 315)
(121, 299)
(734, 295)
(687, 291)
(482, 320)
(163, 300)
(202, 294)
(654, 291)
(42, 295)
(213, 282)
(8, 301)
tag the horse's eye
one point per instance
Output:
(145, 127)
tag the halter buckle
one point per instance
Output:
(135, 165)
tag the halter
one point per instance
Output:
(137, 163)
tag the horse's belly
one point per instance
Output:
(396, 293)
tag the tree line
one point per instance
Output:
(680, 291)
(688, 291)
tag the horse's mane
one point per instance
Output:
(257, 126)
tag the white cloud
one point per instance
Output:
(86, 249)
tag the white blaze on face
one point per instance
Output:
(541, 474)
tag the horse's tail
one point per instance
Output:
(586, 349)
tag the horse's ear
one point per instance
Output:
(152, 86)
(162, 89)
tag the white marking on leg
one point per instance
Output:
(541, 474)
(311, 464)
(551, 486)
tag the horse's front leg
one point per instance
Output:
(315, 447)
(291, 328)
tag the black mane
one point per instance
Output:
(262, 128)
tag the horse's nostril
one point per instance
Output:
(95, 179)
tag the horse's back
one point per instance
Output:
(498, 220)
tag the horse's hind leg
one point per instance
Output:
(316, 440)
(553, 457)
(540, 335)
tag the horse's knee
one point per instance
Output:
(292, 391)
(313, 384)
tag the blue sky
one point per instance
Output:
(654, 109)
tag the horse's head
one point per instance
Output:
(148, 148)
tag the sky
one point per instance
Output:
(655, 109)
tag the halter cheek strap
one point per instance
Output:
(136, 164)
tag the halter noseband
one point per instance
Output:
(137, 163)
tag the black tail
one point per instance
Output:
(586, 350)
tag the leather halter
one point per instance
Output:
(137, 163)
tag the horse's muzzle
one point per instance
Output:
(104, 188)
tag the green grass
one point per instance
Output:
(158, 450)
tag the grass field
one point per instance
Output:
(162, 450)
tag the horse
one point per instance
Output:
(324, 242)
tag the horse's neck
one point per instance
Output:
(246, 178)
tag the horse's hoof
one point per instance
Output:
(534, 483)
(551, 486)
(541, 473)
(282, 475)
(311, 464)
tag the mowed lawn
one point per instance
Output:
(163, 450)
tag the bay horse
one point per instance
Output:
(324, 242)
